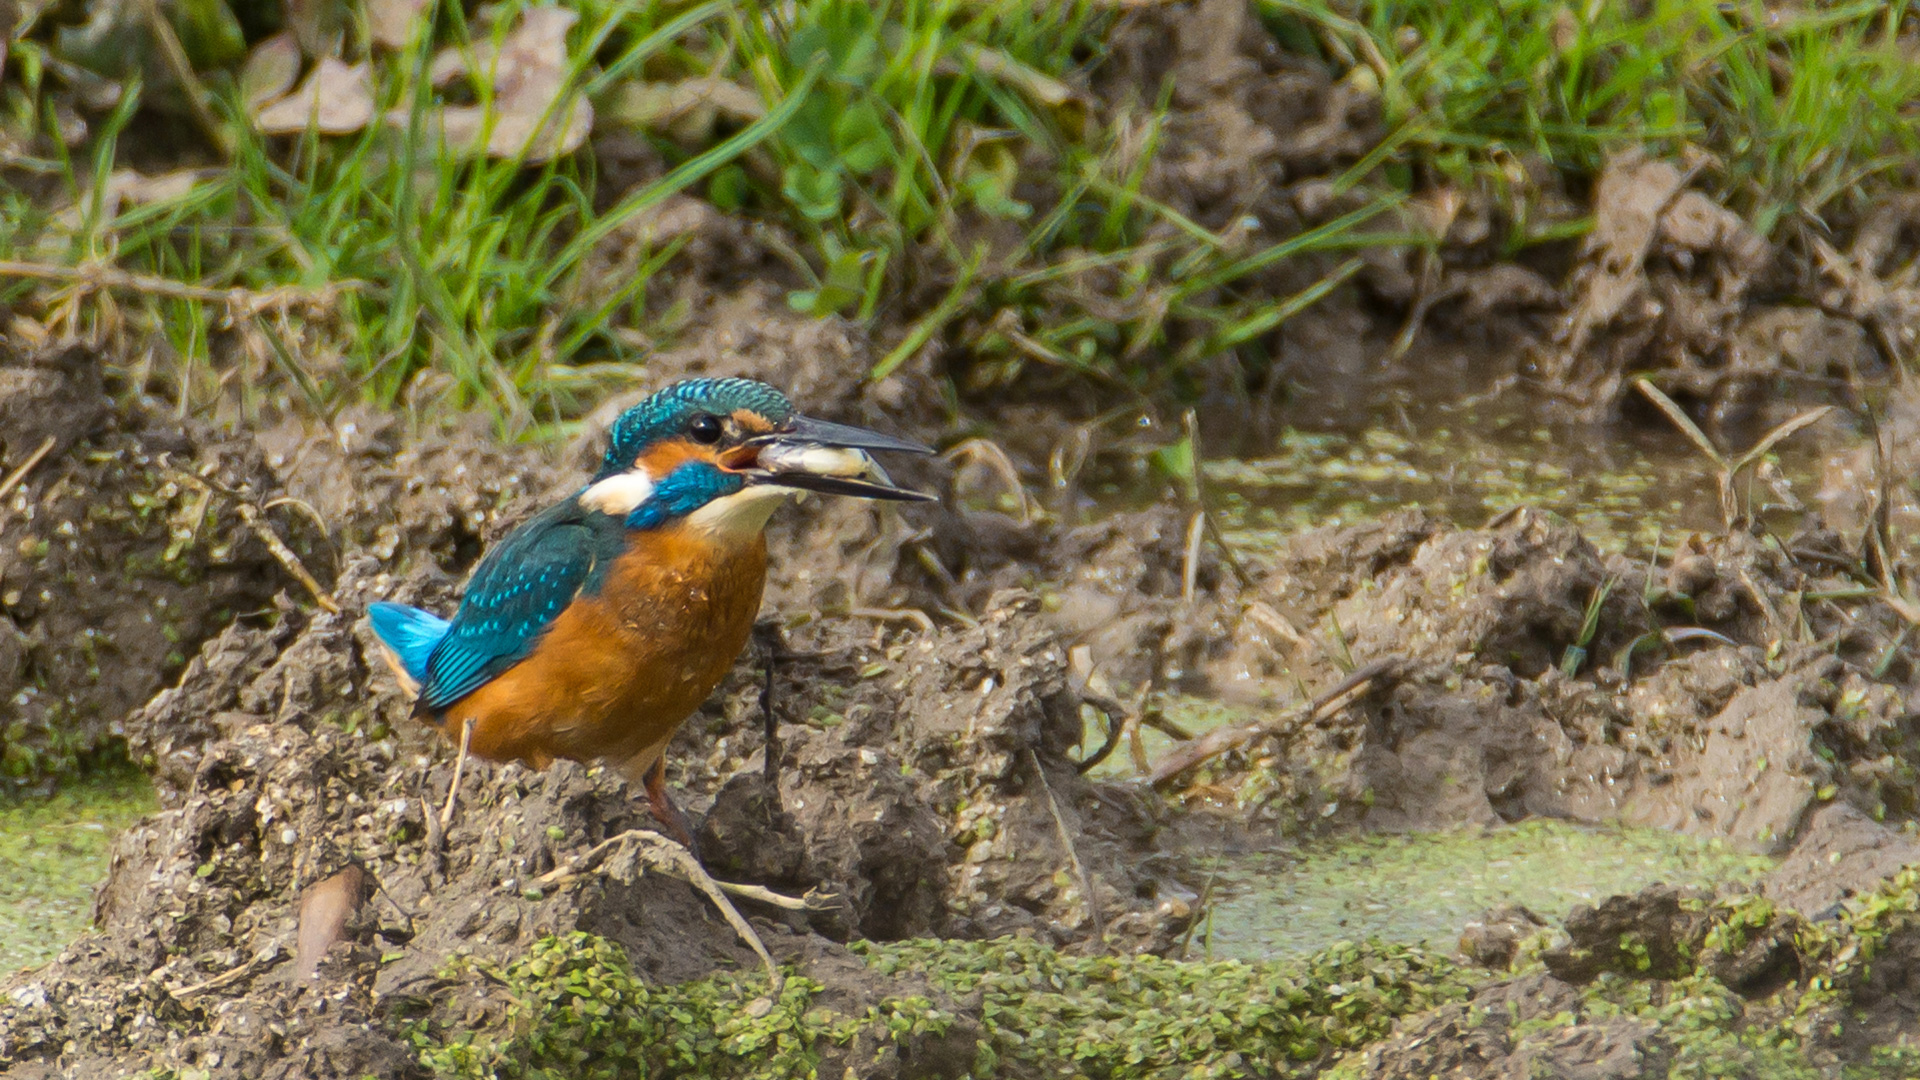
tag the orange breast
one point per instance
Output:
(618, 672)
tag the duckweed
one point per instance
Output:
(1145, 1016)
(580, 1012)
(53, 851)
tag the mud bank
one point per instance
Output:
(1729, 689)
(924, 790)
(927, 787)
(939, 678)
(124, 549)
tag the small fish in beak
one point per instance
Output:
(817, 455)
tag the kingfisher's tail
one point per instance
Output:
(409, 635)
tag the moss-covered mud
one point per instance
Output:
(1665, 982)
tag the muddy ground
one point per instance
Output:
(933, 697)
(938, 667)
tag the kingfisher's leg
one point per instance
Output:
(664, 809)
(767, 635)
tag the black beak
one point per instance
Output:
(844, 436)
(819, 455)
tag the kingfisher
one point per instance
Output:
(594, 629)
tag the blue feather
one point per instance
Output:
(516, 593)
(412, 634)
(684, 490)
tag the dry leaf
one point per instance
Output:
(660, 104)
(391, 22)
(138, 189)
(536, 115)
(124, 188)
(686, 109)
(336, 100)
(326, 909)
(270, 71)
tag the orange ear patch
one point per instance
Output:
(663, 457)
(751, 422)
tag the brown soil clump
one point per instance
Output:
(123, 549)
(1743, 734)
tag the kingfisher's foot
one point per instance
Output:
(666, 812)
(766, 634)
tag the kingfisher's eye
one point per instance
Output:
(705, 428)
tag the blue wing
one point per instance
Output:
(517, 591)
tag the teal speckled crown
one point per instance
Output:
(667, 412)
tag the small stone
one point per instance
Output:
(1493, 939)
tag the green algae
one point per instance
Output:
(579, 1011)
(1819, 1016)
(53, 851)
(1423, 887)
(1146, 1016)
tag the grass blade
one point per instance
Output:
(1334, 233)
(1774, 437)
(942, 314)
(683, 176)
(1680, 419)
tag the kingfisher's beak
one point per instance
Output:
(816, 455)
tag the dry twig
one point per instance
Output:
(656, 851)
(95, 275)
(252, 517)
(20, 473)
(269, 955)
(1364, 681)
(918, 618)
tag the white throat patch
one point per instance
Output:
(620, 493)
(740, 515)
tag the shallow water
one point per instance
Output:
(1625, 488)
(1424, 887)
(1417, 888)
(53, 851)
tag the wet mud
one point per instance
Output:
(940, 675)
(924, 786)
(927, 781)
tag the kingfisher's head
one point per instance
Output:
(720, 454)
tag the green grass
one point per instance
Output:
(888, 140)
(53, 851)
(1787, 109)
(925, 166)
